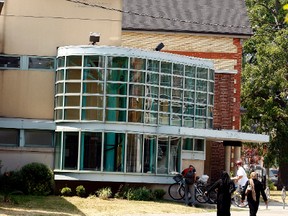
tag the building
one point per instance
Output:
(113, 112)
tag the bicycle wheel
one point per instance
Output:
(176, 191)
(267, 192)
(200, 195)
(236, 200)
(212, 197)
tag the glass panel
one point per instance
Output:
(92, 101)
(162, 157)
(59, 88)
(151, 104)
(177, 82)
(134, 153)
(201, 85)
(210, 123)
(115, 115)
(199, 145)
(201, 97)
(166, 67)
(189, 96)
(176, 107)
(200, 123)
(91, 151)
(211, 74)
(9, 137)
(138, 64)
(151, 118)
(178, 69)
(72, 100)
(210, 99)
(59, 75)
(116, 102)
(152, 78)
(210, 111)
(114, 152)
(164, 119)
(92, 114)
(211, 87)
(9, 62)
(93, 88)
(116, 88)
(188, 121)
(70, 153)
(38, 138)
(152, 91)
(200, 110)
(136, 103)
(57, 153)
(59, 101)
(74, 61)
(73, 87)
(58, 114)
(135, 116)
(189, 109)
(153, 65)
(71, 114)
(136, 90)
(137, 76)
(149, 153)
(187, 144)
(190, 71)
(165, 93)
(164, 106)
(73, 74)
(41, 63)
(93, 74)
(60, 61)
(189, 84)
(175, 154)
(202, 73)
(176, 120)
(94, 61)
(117, 62)
(177, 95)
(165, 80)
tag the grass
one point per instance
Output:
(69, 206)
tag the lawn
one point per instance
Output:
(57, 205)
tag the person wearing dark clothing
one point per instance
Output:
(225, 186)
(253, 195)
(189, 185)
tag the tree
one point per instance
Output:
(265, 81)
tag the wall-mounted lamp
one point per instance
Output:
(94, 37)
(159, 47)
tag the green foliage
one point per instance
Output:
(37, 179)
(159, 194)
(264, 90)
(141, 193)
(122, 191)
(66, 191)
(80, 191)
(104, 193)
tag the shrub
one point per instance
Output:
(122, 191)
(37, 179)
(80, 191)
(141, 193)
(104, 193)
(66, 191)
(159, 194)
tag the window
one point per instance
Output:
(9, 137)
(41, 63)
(10, 62)
(70, 155)
(134, 153)
(37, 138)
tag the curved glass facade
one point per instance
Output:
(98, 88)
(110, 87)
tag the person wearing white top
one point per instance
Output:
(241, 176)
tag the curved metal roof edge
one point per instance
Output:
(133, 52)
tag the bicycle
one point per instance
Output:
(267, 192)
(236, 198)
(177, 190)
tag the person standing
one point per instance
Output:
(253, 195)
(225, 186)
(241, 176)
(189, 175)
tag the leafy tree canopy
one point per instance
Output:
(265, 79)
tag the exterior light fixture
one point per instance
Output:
(94, 37)
(159, 47)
